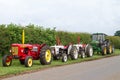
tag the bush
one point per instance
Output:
(37, 34)
(33, 34)
(115, 40)
(71, 37)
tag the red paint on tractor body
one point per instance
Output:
(23, 50)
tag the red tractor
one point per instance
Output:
(26, 53)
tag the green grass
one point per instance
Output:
(17, 68)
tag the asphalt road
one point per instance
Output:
(103, 69)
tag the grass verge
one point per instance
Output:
(17, 68)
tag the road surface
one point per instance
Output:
(103, 69)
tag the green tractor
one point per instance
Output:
(100, 44)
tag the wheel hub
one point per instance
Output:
(48, 56)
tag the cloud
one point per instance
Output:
(69, 15)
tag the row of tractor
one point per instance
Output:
(26, 53)
(71, 50)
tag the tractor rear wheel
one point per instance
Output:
(104, 50)
(74, 53)
(7, 60)
(28, 61)
(89, 51)
(109, 49)
(45, 55)
(64, 57)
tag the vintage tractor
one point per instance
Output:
(84, 50)
(26, 53)
(61, 51)
(100, 44)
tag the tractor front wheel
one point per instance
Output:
(28, 61)
(7, 60)
(45, 55)
(89, 50)
(64, 57)
(82, 53)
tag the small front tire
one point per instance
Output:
(7, 60)
(82, 53)
(28, 61)
(89, 51)
(64, 57)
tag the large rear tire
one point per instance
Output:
(45, 55)
(28, 61)
(109, 49)
(6, 60)
(104, 50)
(74, 53)
(89, 51)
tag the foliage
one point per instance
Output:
(70, 37)
(117, 33)
(115, 40)
(35, 34)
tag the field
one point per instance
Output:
(17, 68)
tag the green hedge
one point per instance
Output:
(71, 37)
(115, 40)
(36, 34)
(11, 33)
(33, 34)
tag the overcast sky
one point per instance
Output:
(68, 15)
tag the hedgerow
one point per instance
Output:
(35, 34)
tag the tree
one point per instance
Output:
(117, 33)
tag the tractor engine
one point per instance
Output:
(20, 50)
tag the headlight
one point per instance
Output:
(10, 51)
(21, 51)
(53, 51)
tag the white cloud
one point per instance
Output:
(71, 15)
